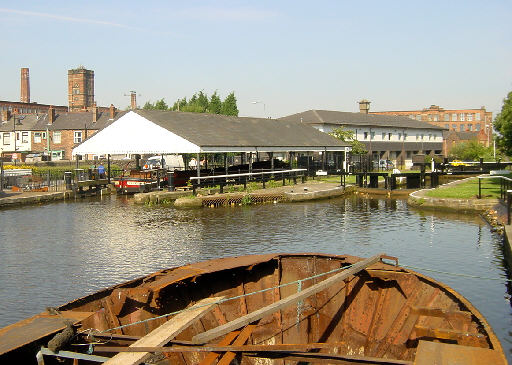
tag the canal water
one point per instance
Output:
(54, 253)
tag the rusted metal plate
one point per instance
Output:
(36, 327)
(438, 353)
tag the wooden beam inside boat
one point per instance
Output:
(292, 299)
(311, 357)
(165, 332)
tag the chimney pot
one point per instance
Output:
(51, 115)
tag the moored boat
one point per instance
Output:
(274, 308)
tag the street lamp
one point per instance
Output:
(264, 106)
(488, 131)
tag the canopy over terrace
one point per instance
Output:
(168, 132)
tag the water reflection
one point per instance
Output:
(54, 253)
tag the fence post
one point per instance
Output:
(479, 188)
(509, 201)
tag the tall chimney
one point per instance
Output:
(94, 112)
(112, 110)
(51, 115)
(25, 86)
(364, 106)
(133, 100)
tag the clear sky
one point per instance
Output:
(290, 55)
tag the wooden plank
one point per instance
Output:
(220, 347)
(240, 340)
(294, 298)
(213, 356)
(165, 332)
(444, 354)
(313, 358)
(463, 316)
(36, 327)
(448, 334)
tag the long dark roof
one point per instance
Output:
(358, 119)
(212, 130)
(62, 121)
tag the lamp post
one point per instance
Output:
(264, 107)
(488, 131)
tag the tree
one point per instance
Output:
(503, 124)
(358, 148)
(471, 151)
(215, 104)
(229, 105)
(161, 105)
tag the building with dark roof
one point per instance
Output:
(386, 137)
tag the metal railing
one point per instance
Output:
(243, 179)
(505, 191)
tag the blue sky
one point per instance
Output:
(290, 55)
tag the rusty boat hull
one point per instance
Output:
(267, 309)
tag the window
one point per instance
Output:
(430, 117)
(462, 127)
(422, 136)
(429, 137)
(477, 127)
(411, 116)
(37, 137)
(447, 117)
(365, 135)
(76, 91)
(470, 117)
(405, 136)
(454, 116)
(383, 136)
(24, 137)
(418, 117)
(389, 136)
(470, 127)
(417, 137)
(57, 136)
(447, 126)
(43, 135)
(477, 116)
(77, 137)
(7, 138)
(461, 117)
(372, 135)
(436, 118)
(454, 127)
(399, 136)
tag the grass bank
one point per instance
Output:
(469, 189)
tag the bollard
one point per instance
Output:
(67, 179)
(170, 181)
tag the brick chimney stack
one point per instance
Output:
(51, 115)
(133, 100)
(112, 110)
(6, 115)
(94, 113)
(364, 106)
(25, 86)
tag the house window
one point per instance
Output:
(7, 138)
(372, 135)
(43, 135)
(477, 127)
(462, 127)
(56, 136)
(447, 117)
(454, 127)
(77, 138)
(37, 137)
(470, 127)
(389, 136)
(454, 116)
(418, 117)
(365, 135)
(477, 117)
(24, 137)
(470, 117)
(461, 117)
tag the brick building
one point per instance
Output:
(451, 138)
(460, 120)
(80, 89)
(54, 132)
